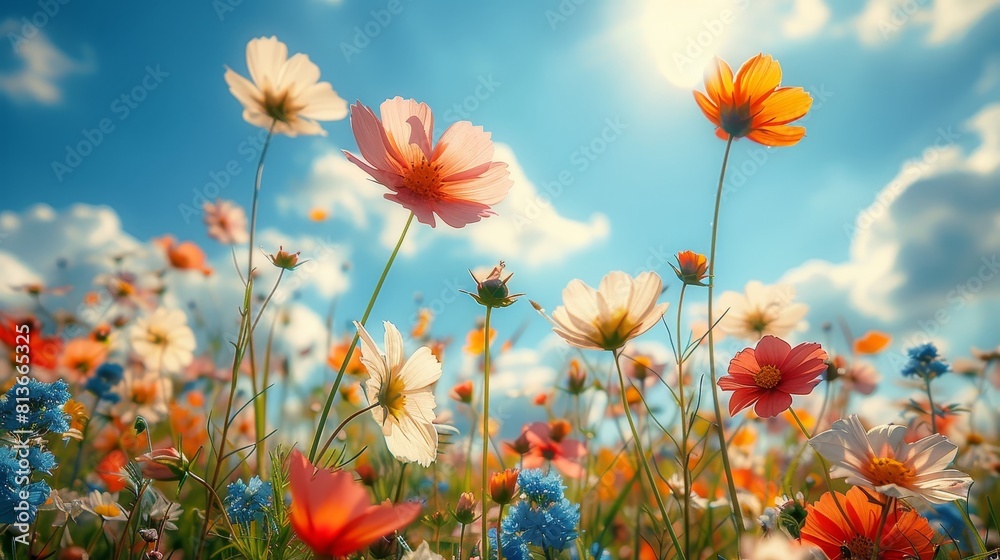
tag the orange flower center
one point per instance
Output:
(768, 377)
(107, 510)
(424, 179)
(885, 470)
(143, 393)
(859, 547)
(392, 399)
(974, 439)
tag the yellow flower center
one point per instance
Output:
(885, 470)
(279, 107)
(156, 336)
(757, 321)
(768, 377)
(392, 399)
(107, 510)
(143, 393)
(424, 179)
(974, 439)
(615, 330)
(859, 547)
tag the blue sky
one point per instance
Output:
(904, 128)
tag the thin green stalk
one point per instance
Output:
(256, 196)
(399, 487)
(930, 403)
(336, 432)
(354, 343)
(499, 543)
(685, 453)
(486, 429)
(641, 458)
(723, 446)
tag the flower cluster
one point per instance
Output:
(543, 517)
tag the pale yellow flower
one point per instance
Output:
(621, 309)
(284, 91)
(403, 389)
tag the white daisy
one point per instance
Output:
(163, 340)
(882, 460)
(403, 391)
(104, 505)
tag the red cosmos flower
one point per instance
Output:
(545, 445)
(334, 516)
(769, 375)
(905, 534)
(18, 332)
(455, 179)
(111, 470)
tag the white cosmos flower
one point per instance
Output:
(163, 340)
(880, 459)
(621, 309)
(760, 311)
(284, 91)
(403, 390)
(104, 505)
(423, 552)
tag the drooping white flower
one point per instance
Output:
(284, 91)
(621, 309)
(403, 390)
(882, 460)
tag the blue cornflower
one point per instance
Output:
(14, 479)
(41, 413)
(104, 380)
(514, 546)
(596, 552)
(539, 487)
(543, 517)
(246, 503)
(924, 362)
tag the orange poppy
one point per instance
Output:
(752, 105)
(333, 514)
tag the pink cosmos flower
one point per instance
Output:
(456, 179)
(769, 375)
(226, 221)
(550, 445)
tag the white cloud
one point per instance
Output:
(43, 66)
(527, 223)
(923, 254)
(946, 20)
(807, 18)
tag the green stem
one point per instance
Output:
(930, 403)
(336, 432)
(641, 459)
(499, 543)
(354, 343)
(684, 428)
(486, 428)
(723, 446)
(399, 487)
(256, 195)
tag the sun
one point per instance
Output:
(683, 37)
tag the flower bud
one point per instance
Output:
(465, 511)
(691, 268)
(367, 474)
(493, 291)
(284, 259)
(163, 464)
(577, 378)
(462, 392)
(503, 486)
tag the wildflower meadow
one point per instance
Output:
(282, 299)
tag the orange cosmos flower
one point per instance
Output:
(81, 356)
(334, 516)
(462, 392)
(872, 342)
(318, 214)
(423, 324)
(769, 375)
(475, 342)
(456, 179)
(905, 534)
(503, 485)
(753, 105)
(336, 358)
(183, 256)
